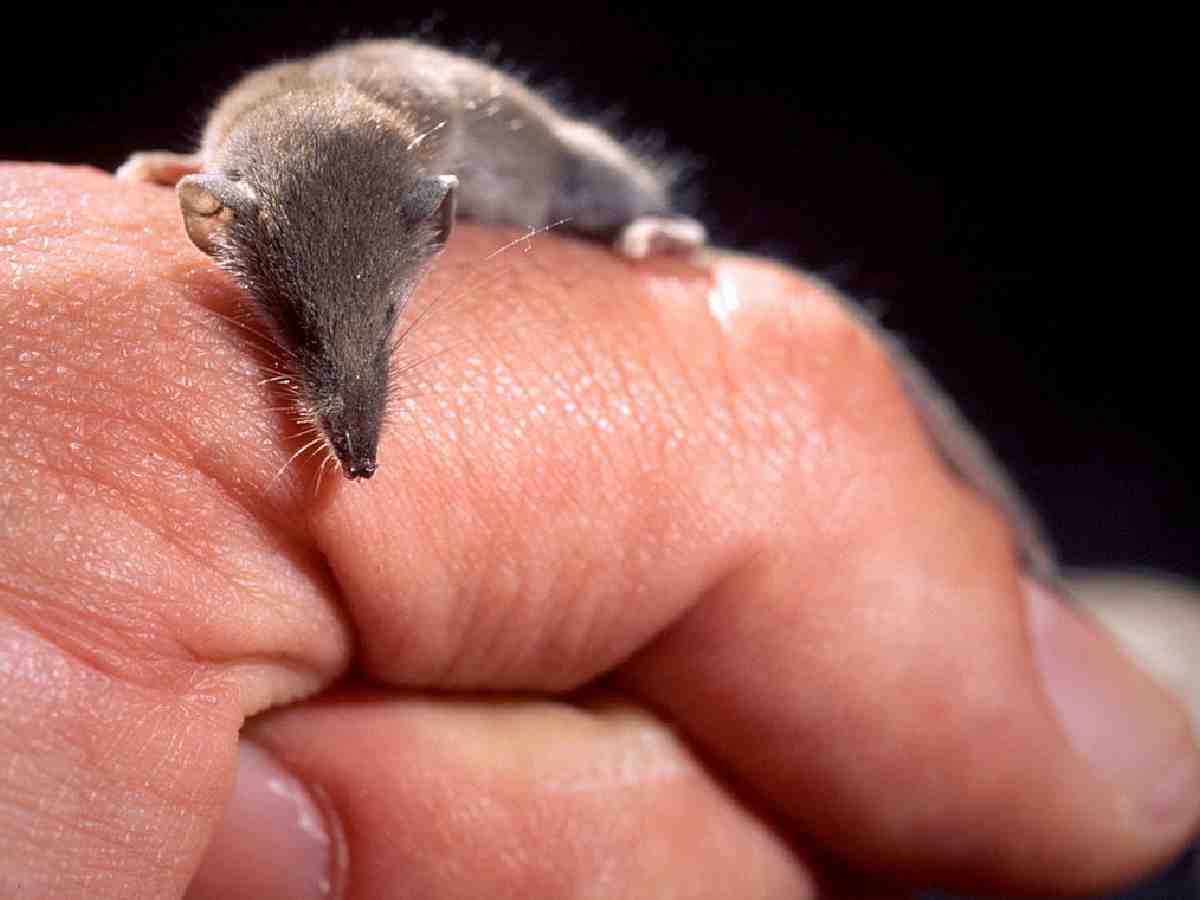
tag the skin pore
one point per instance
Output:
(663, 585)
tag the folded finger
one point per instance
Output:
(446, 798)
(882, 675)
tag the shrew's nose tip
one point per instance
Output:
(363, 468)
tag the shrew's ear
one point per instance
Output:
(433, 201)
(210, 205)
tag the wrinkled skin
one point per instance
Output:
(659, 591)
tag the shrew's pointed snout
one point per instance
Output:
(353, 433)
(364, 468)
(356, 453)
(351, 408)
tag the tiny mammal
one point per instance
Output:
(327, 185)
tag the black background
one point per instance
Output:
(932, 179)
(954, 176)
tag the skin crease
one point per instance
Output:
(703, 487)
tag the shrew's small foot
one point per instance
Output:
(159, 167)
(649, 235)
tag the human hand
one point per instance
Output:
(659, 590)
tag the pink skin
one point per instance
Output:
(702, 486)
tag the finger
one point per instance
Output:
(132, 412)
(496, 798)
(146, 604)
(108, 789)
(1156, 618)
(888, 682)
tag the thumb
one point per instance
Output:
(1156, 618)
(276, 839)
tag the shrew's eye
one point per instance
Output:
(391, 312)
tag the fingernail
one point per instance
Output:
(1132, 732)
(274, 841)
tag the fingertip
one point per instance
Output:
(276, 839)
(1155, 617)
(1133, 735)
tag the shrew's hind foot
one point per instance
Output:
(648, 235)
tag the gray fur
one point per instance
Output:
(327, 185)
